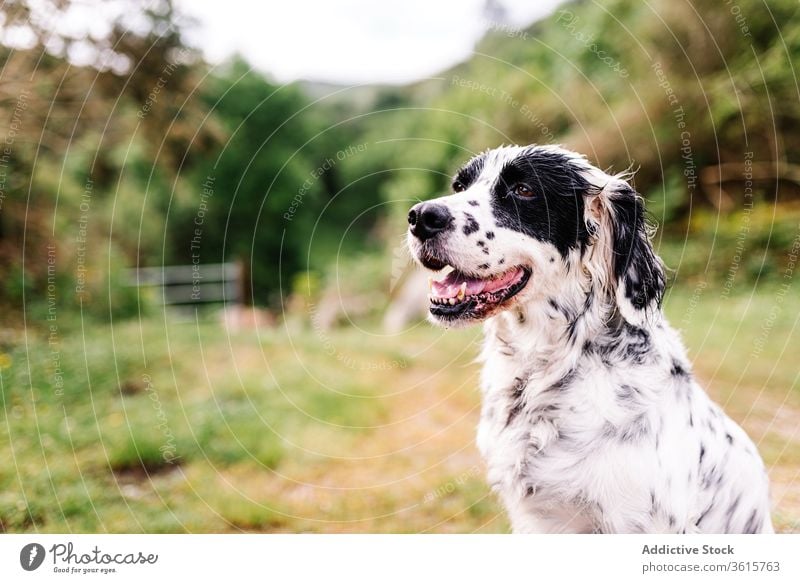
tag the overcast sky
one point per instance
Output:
(348, 41)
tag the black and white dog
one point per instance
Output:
(591, 420)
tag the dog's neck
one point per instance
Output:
(549, 334)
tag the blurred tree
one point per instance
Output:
(272, 180)
(91, 113)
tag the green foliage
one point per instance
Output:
(276, 183)
(309, 175)
(668, 89)
(740, 248)
(254, 177)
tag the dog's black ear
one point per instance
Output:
(638, 271)
(630, 269)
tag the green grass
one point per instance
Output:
(170, 426)
(747, 339)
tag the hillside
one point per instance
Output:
(701, 101)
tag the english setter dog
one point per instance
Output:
(591, 420)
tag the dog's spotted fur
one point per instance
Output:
(591, 419)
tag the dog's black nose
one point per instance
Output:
(427, 219)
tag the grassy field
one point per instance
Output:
(169, 425)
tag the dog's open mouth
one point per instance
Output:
(459, 295)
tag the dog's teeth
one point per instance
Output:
(430, 284)
(452, 301)
(463, 291)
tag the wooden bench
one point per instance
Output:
(201, 283)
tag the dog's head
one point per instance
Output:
(522, 223)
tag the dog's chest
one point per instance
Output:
(538, 432)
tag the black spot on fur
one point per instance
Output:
(559, 308)
(512, 413)
(638, 343)
(501, 261)
(469, 173)
(506, 348)
(703, 514)
(572, 326)
(753, 522)
(471, 225)
(702, 454)
(563, 382)
(637, 528)
(483, 266)
(472, 202)
(515, 391)
(588, 300)
(481, 243)
(628, 393)
(544, 413)
(710, 476)
(636, 430)
(624, 342)
(731, 511)
(485, 250)
(490, 235)
(729, 437)
(677, 370)
(554, 214)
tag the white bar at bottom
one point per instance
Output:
(414, 558)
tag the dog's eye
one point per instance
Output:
(523, 190)
(458, 186)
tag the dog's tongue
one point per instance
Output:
(452, 283)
